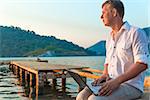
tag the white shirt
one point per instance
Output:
(129, 46)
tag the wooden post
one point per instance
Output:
(14, 67)
(31, 80)
(26, 78)
(20, 78)
(17, 71)
(31, 85)
(30, 94)
(54, 82)
(34, 80)
(45, 78)
(37, 85)
(23, 78)
(63, 82)
(10, 67)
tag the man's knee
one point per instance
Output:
(84, 94)
(80, 96)
(93, 97)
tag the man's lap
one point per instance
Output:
(124, 92)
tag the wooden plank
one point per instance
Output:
(93, 70)
(37, 85)
(56, 71)
(86, 74)
(25, 67)
(147, 82)
(43, 66)
(21, 75)
(31, 78)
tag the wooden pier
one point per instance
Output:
(36, 74)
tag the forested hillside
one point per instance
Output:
(15, 42)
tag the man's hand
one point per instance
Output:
(101, 80)
(98, 82)
(108, 87)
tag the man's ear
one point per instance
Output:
(114, 12)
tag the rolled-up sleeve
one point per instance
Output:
(140, 46)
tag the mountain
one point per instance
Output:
(99, 48)
(16, 42)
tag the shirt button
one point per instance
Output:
(111, 75)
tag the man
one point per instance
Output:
(126, 58)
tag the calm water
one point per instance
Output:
(11, 89)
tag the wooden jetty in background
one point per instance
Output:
(37, 73)
(40, 72)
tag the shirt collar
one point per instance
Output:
(125, 26)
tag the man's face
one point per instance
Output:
(107, 15)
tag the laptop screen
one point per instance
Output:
(82, 83)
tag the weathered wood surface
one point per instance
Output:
(42, 66)
(92, 70)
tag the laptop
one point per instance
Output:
(82, 83)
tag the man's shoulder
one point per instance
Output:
(136, 33)
(130, 29)
(136, 30)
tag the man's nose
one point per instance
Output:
(101, 16)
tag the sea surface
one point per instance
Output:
(11, 89)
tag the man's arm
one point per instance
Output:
(140, 52)
(113, 84)
(105, 71)
(132, 72)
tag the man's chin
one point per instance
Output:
(105, 24)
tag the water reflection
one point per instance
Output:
(9, 85)
(13, 88)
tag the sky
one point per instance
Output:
(76, 21)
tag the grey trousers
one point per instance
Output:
(124, 92)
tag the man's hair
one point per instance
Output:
(117, 4)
